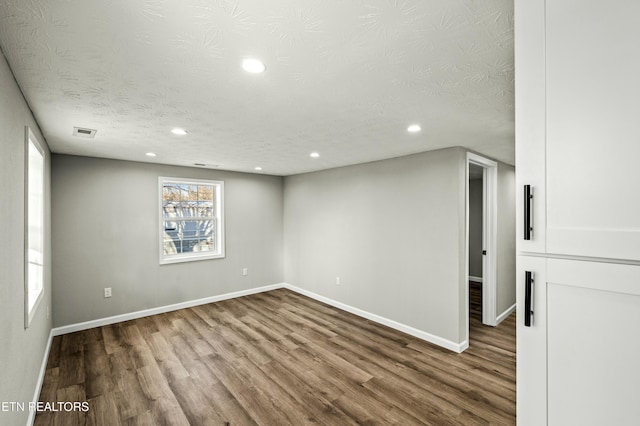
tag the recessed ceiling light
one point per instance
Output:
(258, 168)
(253, 66)
(314, 155)
(178, 131)
(414, 128)
(150, 154)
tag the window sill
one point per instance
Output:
(189, 258)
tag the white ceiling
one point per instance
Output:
(344, 78)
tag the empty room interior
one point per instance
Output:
(292, 212)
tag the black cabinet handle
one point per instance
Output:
(528, 289)
(528, 196)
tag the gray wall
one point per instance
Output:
(21, 351)
(506, 262)
(475, 228)
(392, 230)
(105, 234)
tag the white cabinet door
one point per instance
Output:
(531, 345)
(593, 320)
(593, 128)
(530, 120)
(578, 362)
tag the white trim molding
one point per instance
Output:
(40, 381)
(217, 218)
(423, 335)
(489, 237)
(505, 314)
(475, 279)
(58, 331)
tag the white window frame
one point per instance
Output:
(218, 186)
(31, 300)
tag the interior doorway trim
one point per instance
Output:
(489, 238)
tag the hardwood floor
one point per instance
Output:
(277, 358)
(475, 303)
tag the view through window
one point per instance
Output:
(34, 282)
(191, 219)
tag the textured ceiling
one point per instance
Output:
(344, 78)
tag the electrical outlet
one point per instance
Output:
(337, 280)
(245, 271)
(107, 292)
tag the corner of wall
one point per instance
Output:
(24, 350)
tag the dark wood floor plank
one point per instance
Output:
(70, 417)
(54, 353)
(72, 369)
(164, 353)
(112, 338)
(147, 326)
(50, 385)
(279, 358)
(202, 313)
(227, 405)
(431, 392)
(256, 401)
(103, 410)
(195, 404)
(305, 395)
(140, 355)
(129, 395)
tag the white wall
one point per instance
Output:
(105, 234)
(506, 244)
(393, 231)
(21, 351)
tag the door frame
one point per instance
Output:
(489, 238)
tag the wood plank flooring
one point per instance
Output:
(277, 358)
(475, 303)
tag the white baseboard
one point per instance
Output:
(436, 340)
(475, 279)
(43, 370)
(505, 314)
(159, 310)
(431, 338)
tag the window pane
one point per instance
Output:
(189, 236)
(35, 283)
(206, 244)
(169, 242)
(189, 192)
(205, 192)
(36, 199)
(189, 224)
(34, 227)
(170, 192)
(170, 199)
(188, 209)
(205, 208)
(169, 209)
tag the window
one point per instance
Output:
(34, 233)
(191, 219)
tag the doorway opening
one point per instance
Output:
(481, 239)
(475, 246)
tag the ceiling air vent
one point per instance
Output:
(84, 132)
(205, 165)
